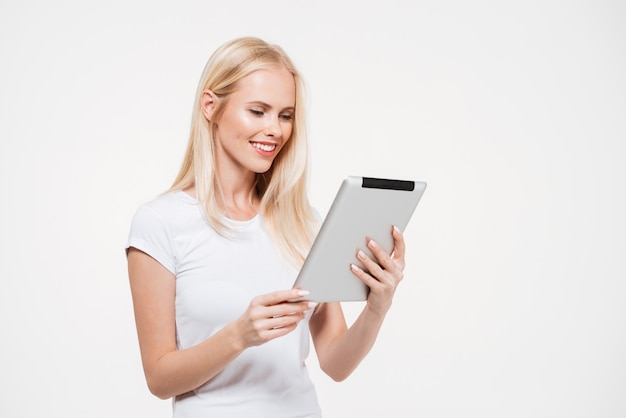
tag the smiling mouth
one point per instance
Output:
(264, 147)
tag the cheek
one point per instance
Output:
(287, 131)
(235, 125)
(243, 119)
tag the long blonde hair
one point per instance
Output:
(283, 188)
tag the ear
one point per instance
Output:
(208, 102)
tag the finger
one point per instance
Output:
(288, 308)
(265, 334)
(279, 296)
(375, 270)
(384, 260)
(289, 321)
(362, 275)
(273, 333)
(398, 245)
(261, 314)
(278, 321)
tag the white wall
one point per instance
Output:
(513, 112)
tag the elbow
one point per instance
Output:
(337, 374)
(158, 389)
(338, 377)
(161, 395)
(159, 392)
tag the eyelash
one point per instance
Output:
(260, 113)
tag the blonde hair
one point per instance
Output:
(285, 207)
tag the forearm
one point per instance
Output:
(268, 317)
(342, 350)
(181, 371)
(342, 356)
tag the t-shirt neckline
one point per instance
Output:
(190, 199)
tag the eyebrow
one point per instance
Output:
(266, 105)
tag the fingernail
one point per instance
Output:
(303, 292)
(311, 305)
(395, 228)
(373, 243)
(354, 267)
(361, 255)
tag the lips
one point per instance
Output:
(263, 147)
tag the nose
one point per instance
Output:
(272, 127)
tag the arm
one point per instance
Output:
(339, 349)
(170, 372)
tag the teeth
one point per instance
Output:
(264, 147)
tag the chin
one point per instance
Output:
(261, 166)
(262, 169)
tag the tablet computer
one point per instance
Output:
(363, 207)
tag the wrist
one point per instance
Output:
(234, 336)
(376, 312)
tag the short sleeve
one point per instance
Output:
(150, 233)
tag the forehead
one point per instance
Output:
(275, 87)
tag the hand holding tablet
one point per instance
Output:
(364, 207)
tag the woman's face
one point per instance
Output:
(256, 122)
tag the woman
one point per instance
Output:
(212, 262)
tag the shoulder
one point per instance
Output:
(168, 207)
(167, 212)
(157, 224)
(170, 202)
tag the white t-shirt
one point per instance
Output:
(216, 277)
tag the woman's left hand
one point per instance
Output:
(383, 274)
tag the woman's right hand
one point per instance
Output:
(271, 316)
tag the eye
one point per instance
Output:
(256, 112)
(286, 116)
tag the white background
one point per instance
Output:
(513, 112)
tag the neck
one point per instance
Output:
(237, 197)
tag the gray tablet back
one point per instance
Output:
(364, 207)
